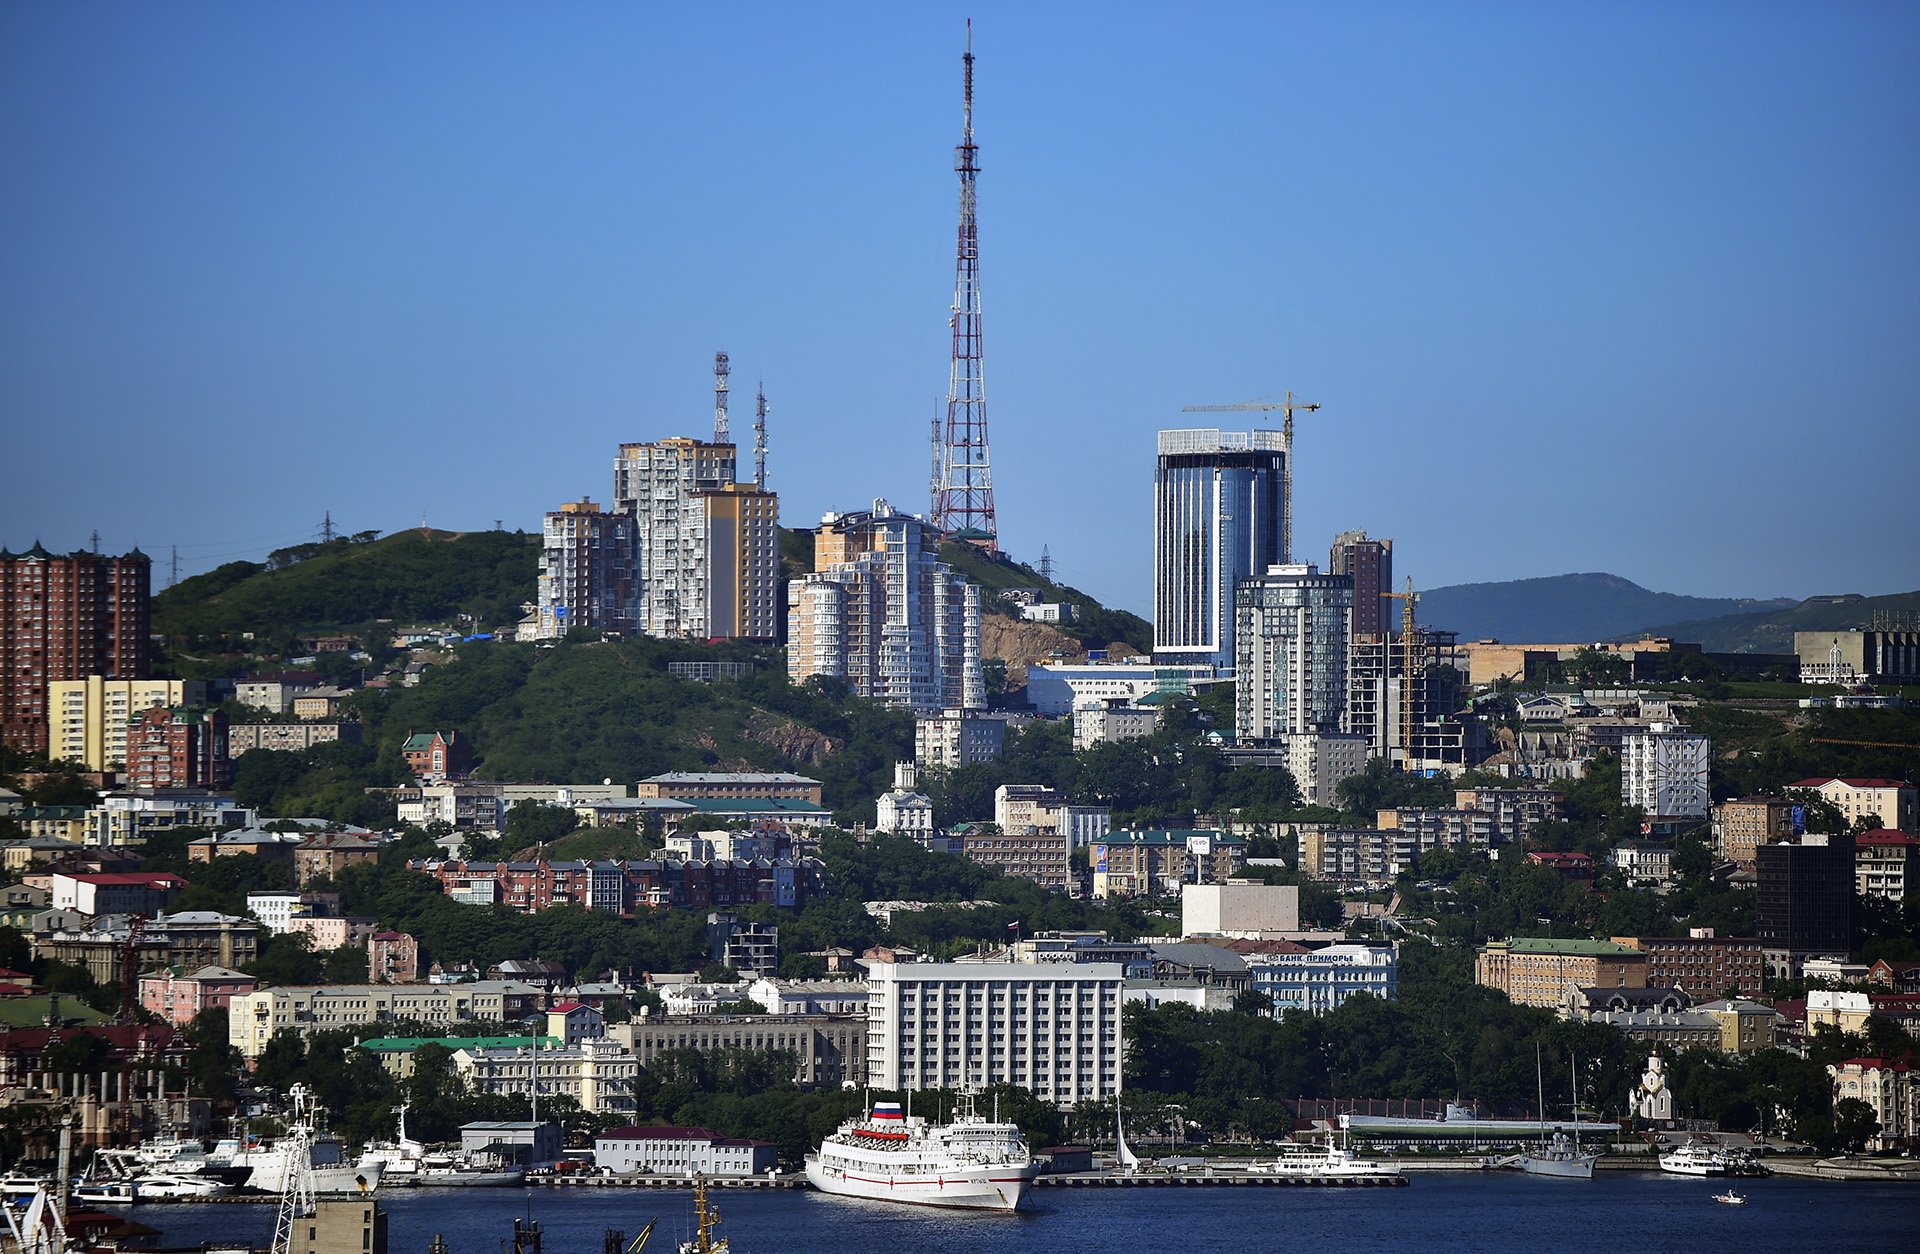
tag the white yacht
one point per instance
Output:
(971, 1163)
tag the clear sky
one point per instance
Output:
(1622, 287)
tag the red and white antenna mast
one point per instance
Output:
(963, 502)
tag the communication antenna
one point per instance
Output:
(760, 437)
(720, 372)
(96, 539)
(963, 504)
(173, 568)
(1046, 564)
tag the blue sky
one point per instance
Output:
(1622, 287)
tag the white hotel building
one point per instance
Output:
(1050, 1028)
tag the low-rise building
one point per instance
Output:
(809, 997)
(254, 1018)
(256, 842)
(1645, 863)
(1320, 980)
(1888, 1087)
(730, 786)
(1874, 802)
(244, 738)
(1538, 971)
(124, 819)
(1886, 864)
(1056, 689)
(903, 810)
(828, 1051)
(1110, 720)
(682, 1153)
(393, 958)
(957, 738)
(177, 997)
(1157, 861)
(134, 892)
(395, 1054)
(1239, 909)
(434, 756)
(1044, 856)
(325, 854)
(1743, 825)
(598, 1074)
(1705, 965)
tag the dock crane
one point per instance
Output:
(1287, 407)
(1408, 630)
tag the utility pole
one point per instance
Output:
(327, 532)
(1046, 564)
(173, 568)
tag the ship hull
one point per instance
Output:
(987, 1188)
(1580, 1168)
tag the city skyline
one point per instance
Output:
(1642, 270)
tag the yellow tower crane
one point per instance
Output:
(1287, 407)
(1408, 630)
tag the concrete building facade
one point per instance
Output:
(87, 718)
(1535, 971)
(1050, 1028)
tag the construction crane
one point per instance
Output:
(1408, 630)
(1287, 407)
(130, 969)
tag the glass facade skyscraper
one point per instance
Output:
(1291, 669)
(1218, 509)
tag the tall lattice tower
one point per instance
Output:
(963, 500)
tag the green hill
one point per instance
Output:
(1771, 630)
(407, 577)
(1567, 608)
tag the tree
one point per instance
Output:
(1854, 1124)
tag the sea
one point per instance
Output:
(1474, 1211)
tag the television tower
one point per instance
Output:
(963, 503)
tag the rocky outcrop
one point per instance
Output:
(794, 741)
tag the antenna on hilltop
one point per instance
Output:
(963, 503)
(326, 527)
(1046, 564)
(760, 437)
(720, 372)
(173, 568)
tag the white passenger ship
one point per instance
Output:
(971, 1163)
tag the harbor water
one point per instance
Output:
(1473, 1211)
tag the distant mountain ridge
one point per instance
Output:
(1571, 608)
(1771, 630)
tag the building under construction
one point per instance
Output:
(1393, 714)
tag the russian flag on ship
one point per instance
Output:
(886, 1110)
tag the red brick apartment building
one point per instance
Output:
(66, 618)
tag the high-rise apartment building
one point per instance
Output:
(87, 718)
(660, 484)
(1219, 512)
(882, 612)
(1291, 653)
(589, 570)
(707, 548)
(739, 531)
(1369, 563)
(1663, 770)
(66, 618)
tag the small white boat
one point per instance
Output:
(1730, 1198)
(103, 1192)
